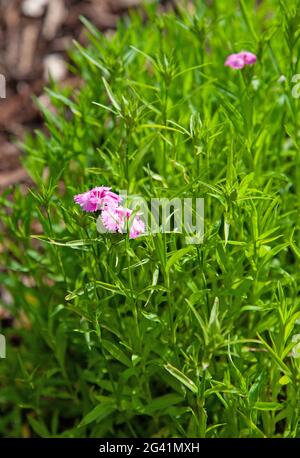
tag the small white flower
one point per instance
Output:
(255, 83)
(282, 79)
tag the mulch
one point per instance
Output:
(34, 38)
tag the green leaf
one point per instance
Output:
(99, 413)
(284, 380)
(201, 322)
(273, 406)
(162, 403)
(116, 352)
(177, 256)
(182, 378)
(38, 427)
(276, 357)
(248, 20)
(111, 95)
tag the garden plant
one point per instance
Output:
(129, 333)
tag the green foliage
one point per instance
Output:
(146, 337)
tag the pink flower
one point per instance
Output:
(106, 197)
(97, 199)
(235, 61)
(239, 60)
(86, 201)
(137, 227)
(116, 220)
(249, 57)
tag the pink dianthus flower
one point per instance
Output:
(239, 60)
(235, 61)
(116, 220)
(249, 57)
(97, 199)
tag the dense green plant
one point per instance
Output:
(153, 337)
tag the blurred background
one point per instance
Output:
(35, 36)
